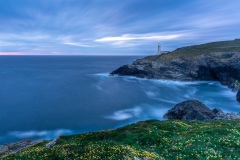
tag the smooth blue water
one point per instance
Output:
(44, 96)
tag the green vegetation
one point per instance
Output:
(151, 139)
(222, 46)
(236, 84)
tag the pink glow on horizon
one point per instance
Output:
(12, 53)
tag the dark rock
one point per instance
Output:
(231, 116)
(238, 96)
(190, 110)
(218, 112)
(213, 61)
(129, 70)
(195, 110)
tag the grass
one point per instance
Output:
(195, 50)
(151, 139)
(236, 84)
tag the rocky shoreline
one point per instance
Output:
(217, 61)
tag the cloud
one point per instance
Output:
(77, 44)
(130, 37)
(113, 27)
(24, 36)
(12, 53)
(133, 40)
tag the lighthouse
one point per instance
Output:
(159, 49)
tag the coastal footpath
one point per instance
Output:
(218, 61)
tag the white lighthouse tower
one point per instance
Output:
(159, 49)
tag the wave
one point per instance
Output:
(103, 75)
(125, 114)
(139, 113)
(157, 113)
(40, 134)
(169, 82)
(160, 81)
(183, 83)
(228, 93)
(191, 94)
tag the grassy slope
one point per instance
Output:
(170, 139)
(222, 46)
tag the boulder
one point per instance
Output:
(238, 96)
(194, 110)
(190, 110)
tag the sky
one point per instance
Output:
(113, 27)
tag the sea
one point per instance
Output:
(42, 97)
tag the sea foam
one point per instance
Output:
(40, 134)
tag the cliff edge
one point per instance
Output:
(212, 61)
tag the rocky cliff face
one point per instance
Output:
(213, 61)
(238, 96)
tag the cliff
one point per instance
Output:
(212, 61)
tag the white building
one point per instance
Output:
(159, 49)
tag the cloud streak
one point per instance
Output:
(76, 44)
(128, 37)
(12, 53)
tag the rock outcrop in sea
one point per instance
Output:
(190, 110)
(195, 110)
(218, 61)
